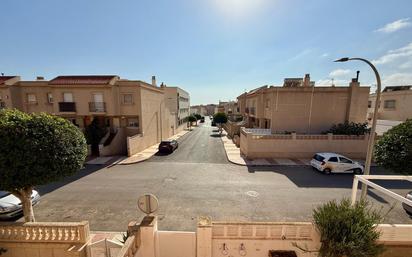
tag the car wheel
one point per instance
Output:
(327, 171)
(357, 171)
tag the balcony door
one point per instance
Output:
(98, 102)
(68, 97)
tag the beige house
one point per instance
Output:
(178, 102)
(198, 109)
(396, 104)
(299, 106)
(126, 107)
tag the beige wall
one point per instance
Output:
(301, 146)
(309, 110)
(403, 105)
(178, 102)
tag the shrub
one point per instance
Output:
(349, 128)
(347, 230)
(394, 149)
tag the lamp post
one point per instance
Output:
(374, 118)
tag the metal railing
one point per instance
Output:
(67, 107)
(97, 106)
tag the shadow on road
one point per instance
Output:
(304, 176)
(216, 135)
(89, 169)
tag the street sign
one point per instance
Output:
(148, 203)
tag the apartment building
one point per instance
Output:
(229, 107)
(126, 107)
(177, 101)
(198, 109)
(395, 104)
(299, 106)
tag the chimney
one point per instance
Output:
(355, 81)
(154, 81)
(306, 80)
(40, 78)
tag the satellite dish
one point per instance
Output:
(148, 203)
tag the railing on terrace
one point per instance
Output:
(47, 232)
(264, 230)
(67, 107)
(131, 246)
(257, 131)
(97, 106)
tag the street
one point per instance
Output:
(197, 180)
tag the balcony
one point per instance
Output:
(97, 106)
(2, 105)
(67, 107)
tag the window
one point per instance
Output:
(127, 99)
(68, 97)
(133, 122)
(49, 98)
(318, 157)
(369, 104)
(333, 159)
(267, 103)
(389, 104)
(344, 160)
(31, 98)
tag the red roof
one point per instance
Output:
(82, 80)
(5, 78)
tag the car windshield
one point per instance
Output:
(165, 142)
(4, 194)
(318, 157)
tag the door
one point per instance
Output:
(345, 164)
(98, 102)
(98, 97)
(333, 164)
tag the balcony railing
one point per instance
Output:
(97, 107)
(67, 107)
(252, 110)
(2, 105)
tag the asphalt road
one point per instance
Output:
(195, 181)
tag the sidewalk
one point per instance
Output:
(148, 152)
(234, 156)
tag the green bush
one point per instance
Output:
(347, 230)
(349, 128)
(37, 149)
(394, 149)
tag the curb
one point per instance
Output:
(146, 158)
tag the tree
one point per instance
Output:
(394, 149)
(349, 128)
(220, 118)
(191, 119)
(37, 149)
(347, 230)
(197, 116)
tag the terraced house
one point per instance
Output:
(127, 108)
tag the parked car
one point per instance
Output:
(168, 146)
(407, 207)
(336, 163)
(213, 123)
(202, 120)
(10, 205)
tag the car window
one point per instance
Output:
(318, 157)
(344, 160)
(4, 194)
(333, 159)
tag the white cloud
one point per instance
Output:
(395, 55)
(324, 55)
(339, 73)
(395, 26)
(397, 79)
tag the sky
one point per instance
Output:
(214, 49)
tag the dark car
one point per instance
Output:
(168, 146)
(407, 207)
(213, 123)
(202, 119)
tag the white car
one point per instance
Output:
(10, 206)
(333, 162)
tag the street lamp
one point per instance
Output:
(374, 118)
